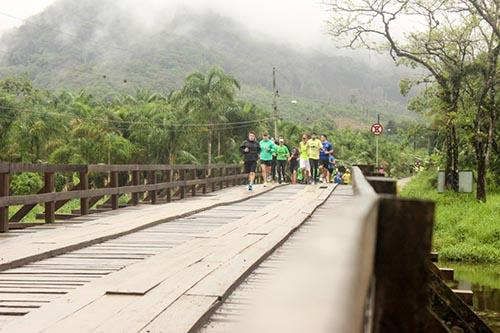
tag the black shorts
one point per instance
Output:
(250, 166)
(294, 165)
(314, 163)
(267, 163)
(325, 164)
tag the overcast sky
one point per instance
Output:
(296, 21)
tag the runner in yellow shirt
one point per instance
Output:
(314, 146)
(304, 158)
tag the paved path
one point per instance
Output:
(403, 182)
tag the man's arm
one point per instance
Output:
(243, 147)
(273, 148)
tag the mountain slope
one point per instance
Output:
(97, 45)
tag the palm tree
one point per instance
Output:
(205, 96)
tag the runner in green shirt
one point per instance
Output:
(282, 155)
(267, 149)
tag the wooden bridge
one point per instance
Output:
(193, 251)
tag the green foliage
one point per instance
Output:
(465, 229)
(111, 49)
(25, 183)
(147, 127)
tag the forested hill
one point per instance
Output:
(97, 45)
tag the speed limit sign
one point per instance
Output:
(377, 129)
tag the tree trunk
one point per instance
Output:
(209, 147)
(451, 170)
(454, 146)
(218, 144)
(481, 172)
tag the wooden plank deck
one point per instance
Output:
(307, 285)
(138, 280)
(45, 241)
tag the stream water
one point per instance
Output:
(484, 281)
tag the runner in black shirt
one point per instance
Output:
(250, 149)
(294, 164)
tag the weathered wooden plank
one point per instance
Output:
(64, 240)
(150, 273)
(4, 211)
(183, 315)
(404, 231)
(383, 185)
(77, 194)
(137, 314)
(220, 282)
(13, 311)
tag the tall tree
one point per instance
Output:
(439, 48)
(205, 96)
(481, 100)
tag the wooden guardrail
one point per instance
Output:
(407, 294)
(157, 182)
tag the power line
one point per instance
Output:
(129, 122)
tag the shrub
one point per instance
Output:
(25, 183)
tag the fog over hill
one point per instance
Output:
(108, 46)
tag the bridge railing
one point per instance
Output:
(144, 183)
(395, 256)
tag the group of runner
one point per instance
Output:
(311, 156)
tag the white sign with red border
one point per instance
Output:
(377, 129)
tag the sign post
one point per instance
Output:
(377, 129)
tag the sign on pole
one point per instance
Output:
(377, 129)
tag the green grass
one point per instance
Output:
(66, 209)
(465, 230)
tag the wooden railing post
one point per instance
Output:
(183, 188)
(84, 185)
(136, 176)
(221, 174)
(4, 211)
(401, 265)
(195, 176)
(169, 190)
(210, 175)
(152, 180)
(235, 173)
(114, 183)
(204, 175)
(50, 207)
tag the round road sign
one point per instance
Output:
(377, 129)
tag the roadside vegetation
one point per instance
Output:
(465, 229)
(202, 122)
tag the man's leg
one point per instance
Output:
(325, 173)
(281, 171)
(263, 167)
(314, 167)
(317, 170)
(273, 170)
(313, 174)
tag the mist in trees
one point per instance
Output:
(457, 43)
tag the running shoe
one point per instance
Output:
(249, 187)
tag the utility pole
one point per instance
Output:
(275, 104)
(376, 138)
